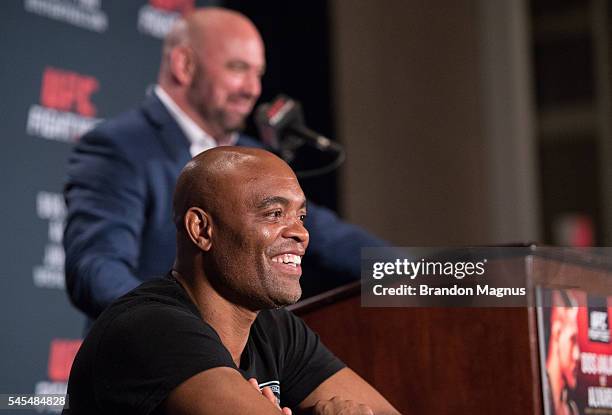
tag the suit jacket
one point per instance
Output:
(119, 229)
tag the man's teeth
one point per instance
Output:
(291, 259)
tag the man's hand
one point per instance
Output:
(267, 392)
(346, 393)
(337, 405)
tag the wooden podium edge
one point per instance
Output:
(315, 302)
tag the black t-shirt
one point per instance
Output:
(152, 339)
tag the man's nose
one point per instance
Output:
(252, 84)
(297, 232)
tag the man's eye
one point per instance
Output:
(275, 214)
(302, 218)
(238, 66)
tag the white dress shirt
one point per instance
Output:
(198, 138)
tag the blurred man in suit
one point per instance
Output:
(119, 230)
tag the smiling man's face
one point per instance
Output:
(258, 235)
(228, 66)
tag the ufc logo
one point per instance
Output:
(67, 91)
(61, 355)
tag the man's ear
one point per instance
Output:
(182, 64)
(199, 228)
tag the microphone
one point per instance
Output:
(281, 126)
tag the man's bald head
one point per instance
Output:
(240, 215)
(208, 25)
(212, 63)
(205, 27)
(209, 179)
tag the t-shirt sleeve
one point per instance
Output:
(145, 353)
(307, 362)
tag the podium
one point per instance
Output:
(454, 360)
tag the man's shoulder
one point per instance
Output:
(160, 292)
(130, 128)
(145, 318)
(159, 300)
(149, 340)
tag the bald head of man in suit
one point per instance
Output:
(212, 64)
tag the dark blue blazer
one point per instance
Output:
(119, 229)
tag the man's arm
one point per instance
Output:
(346, 386)
(105, 200)
(221, 390)
(224, 390)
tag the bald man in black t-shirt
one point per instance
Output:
(198, 341)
